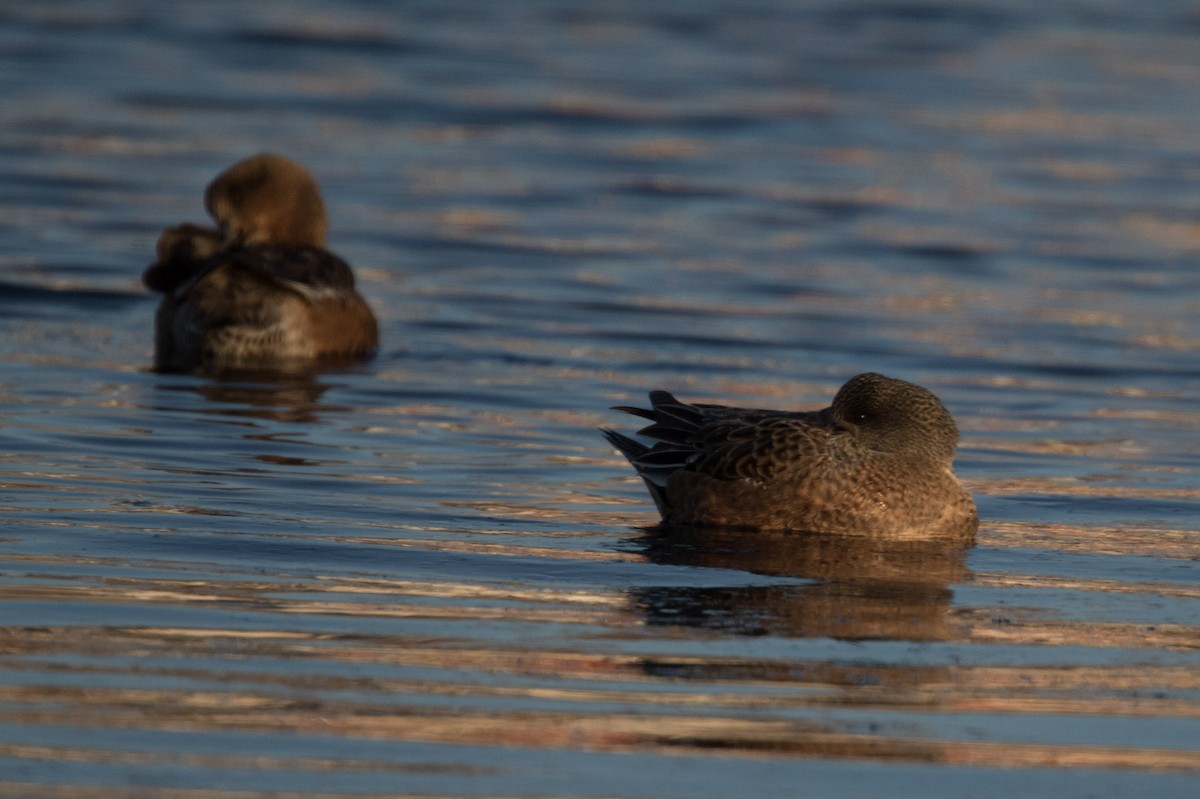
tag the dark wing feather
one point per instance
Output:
(645, 413)
(304, 269)
(674, 422)
(722, 442)
(308, 271)
(629, 448)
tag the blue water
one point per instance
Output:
(429, 575)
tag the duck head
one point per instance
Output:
(267, 199)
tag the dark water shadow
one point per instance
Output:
(276, 396)
(862, 589)
(26, 301)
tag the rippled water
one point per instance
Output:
(429, 576)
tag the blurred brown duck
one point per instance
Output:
(877, 462)
(261, 291)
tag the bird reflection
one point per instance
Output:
(865, 588)
(282, 397)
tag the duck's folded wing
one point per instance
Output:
(759, 446)
(723, 442)
(311, 271)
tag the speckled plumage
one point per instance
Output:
(260, 292)
(876, 462)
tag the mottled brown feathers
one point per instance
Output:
(876, 462)
(261, 292)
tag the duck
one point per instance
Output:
(260, 291)
(877, 462)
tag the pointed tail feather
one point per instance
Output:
(630, 448)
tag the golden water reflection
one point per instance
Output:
(863, 588)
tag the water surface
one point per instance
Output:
(429, 576)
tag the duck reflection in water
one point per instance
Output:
(865, 588)
(294, 396)
(260, 292)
